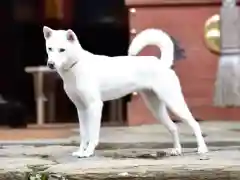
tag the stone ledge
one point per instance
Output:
(140, 173)
(56, 163)
(178, 174)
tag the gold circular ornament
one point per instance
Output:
(212, 33)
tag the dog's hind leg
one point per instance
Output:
(159, 110)
(175, 102)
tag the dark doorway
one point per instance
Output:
(102, 28)
(20, 47)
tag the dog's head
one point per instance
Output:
(61, 48)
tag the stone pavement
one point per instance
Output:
(55, 162)
(126, 153)
(217, 133)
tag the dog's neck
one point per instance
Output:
(73, 64)
(80, 56)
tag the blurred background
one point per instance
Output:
(103, 27)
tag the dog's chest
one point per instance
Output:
(80, 97)
(76, 84)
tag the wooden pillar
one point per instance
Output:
(227, 87)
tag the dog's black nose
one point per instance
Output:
(50, 65)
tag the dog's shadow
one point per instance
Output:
(153, 154)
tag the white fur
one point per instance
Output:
(91, 79)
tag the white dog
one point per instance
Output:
(91, 79)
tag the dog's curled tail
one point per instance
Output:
(154, 37)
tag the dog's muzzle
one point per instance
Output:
(51, 65)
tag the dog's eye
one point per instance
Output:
(61, 50)
(49, 49)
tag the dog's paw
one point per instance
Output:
(176, 152)
(202, 149)
(78, 154)
(87, 154)
(83, 154)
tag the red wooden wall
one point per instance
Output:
(183, 19)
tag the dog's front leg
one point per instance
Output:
(92, 114)
(83, 127)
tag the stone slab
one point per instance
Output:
(56, 162)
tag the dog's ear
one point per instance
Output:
(47, 32)
(71, 36)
